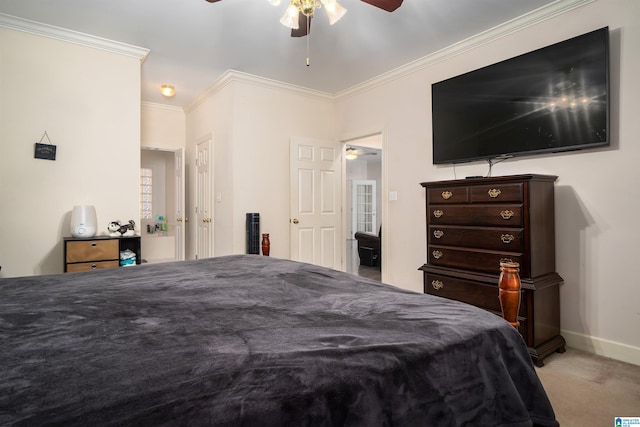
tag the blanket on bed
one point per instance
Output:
(251, 340)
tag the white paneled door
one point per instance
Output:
(316, 202)
(204, 208)
(180, 219)
(364, 206)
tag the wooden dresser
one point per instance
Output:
(98, 252)
(473, 224)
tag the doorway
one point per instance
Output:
(363, 210)
(162, 204)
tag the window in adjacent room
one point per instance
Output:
(146, 198)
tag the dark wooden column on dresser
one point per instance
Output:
(98, 252)
(473, 224)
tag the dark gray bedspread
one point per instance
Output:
(251, 340)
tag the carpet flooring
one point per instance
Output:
(588, 390)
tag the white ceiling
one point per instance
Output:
(194, 42)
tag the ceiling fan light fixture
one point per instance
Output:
(351, 154)
(307, 7)
(334, 10)
(167, 90)
(290, 17)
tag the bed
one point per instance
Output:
(248, 340)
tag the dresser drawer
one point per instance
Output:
(507, 215)
(499, 193)
(448, 195)
(92, 250)
(483, 296)
(86, 266)
(480, 295)
(493, 238)
(481, 261)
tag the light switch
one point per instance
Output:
(393, 195)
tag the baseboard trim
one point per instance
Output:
(602, 347)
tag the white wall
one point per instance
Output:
(162, 126)
(210, 118)
(49, 85)
(596, 193)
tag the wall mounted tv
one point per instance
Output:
(550, 100)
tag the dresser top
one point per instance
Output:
(99, 237)
(491, 180)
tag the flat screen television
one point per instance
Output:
(550, 100)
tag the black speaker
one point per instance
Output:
(253, 233)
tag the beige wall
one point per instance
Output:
(162, 127)
(211, 119)
(49, 85)
(596, 194)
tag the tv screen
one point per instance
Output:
(550, 100)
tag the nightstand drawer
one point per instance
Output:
(86, 266)
(92, 250)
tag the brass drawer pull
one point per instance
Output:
(436, 254)
(506, 260)
(93, 266)
(494, 192)
(94, 244)
(438, 234)
(506, 214)
(437, 284)
(507, 238)
(438, 213)
(447, 195)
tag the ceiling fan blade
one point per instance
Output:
(212, 1)
(388, 5)
(302, 26)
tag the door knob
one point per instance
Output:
(295, 220)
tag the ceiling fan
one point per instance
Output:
(352, 153)
(299, 13)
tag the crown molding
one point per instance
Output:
(158, 106)
(234, 76)
(517, 24)
(62, 34)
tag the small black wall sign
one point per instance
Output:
(45, 151)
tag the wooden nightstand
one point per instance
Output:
(98, 252)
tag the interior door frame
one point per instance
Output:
(182, 242)
(384, 191)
